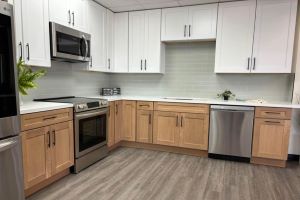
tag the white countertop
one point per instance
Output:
(33, 106)
(200, 101)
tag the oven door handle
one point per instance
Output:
(91, 114)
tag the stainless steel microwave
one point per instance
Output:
(68, 44)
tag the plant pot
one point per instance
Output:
(226, 98)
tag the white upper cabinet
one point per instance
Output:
(136, 41)
(189, 23)
(18, 30)
(267, 48)
(203, 22)
(145, 48)
(97, 27)
(154, 49)
(235, 37)
(121, 27)
(110, 41)
(174, 24)
(79, 14)
(274, 36)
(72, 13)
(35, 29)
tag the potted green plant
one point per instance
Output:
(27, 77)
(226, 95)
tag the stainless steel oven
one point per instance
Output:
(68, 44)
(90, 131)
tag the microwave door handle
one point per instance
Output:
(86, 47)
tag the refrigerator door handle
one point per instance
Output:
(8, 144)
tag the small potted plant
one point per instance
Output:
(27, 78)
(226, 95)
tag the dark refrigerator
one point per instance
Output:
(11, 170)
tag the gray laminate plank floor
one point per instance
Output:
(135, 174)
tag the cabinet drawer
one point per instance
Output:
(273, 113)
(36, 120)
(181, 107)
(145, 105)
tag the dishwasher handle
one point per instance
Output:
(231, 108)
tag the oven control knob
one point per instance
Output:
(80, 107)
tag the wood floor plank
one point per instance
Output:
(137, 174)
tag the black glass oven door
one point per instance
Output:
(90, 130)
(8, 97)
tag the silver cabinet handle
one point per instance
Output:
(21, 51)
(254, 63)
(109, 63)
(185, 30)
(141, 65)
(181, 121)
(28, 51)
(150, 119)
(91, 63)
(69, 12)
(145, 64)
(190, 30)
(73, 14)
(248, 64)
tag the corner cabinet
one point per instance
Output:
(248, 40)
(32, 32)
(189, 23)
(145, 47)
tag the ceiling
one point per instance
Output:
(129, 5)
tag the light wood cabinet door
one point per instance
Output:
(36, 149)
(235, 37)
(144, 126)
(194, 131)
(271, 138)
(118, 121)
(166, 128)
(111, 125)
(129, 121)
(273, 42)
(62, 146)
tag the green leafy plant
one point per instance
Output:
(227, 94)
(27, 77)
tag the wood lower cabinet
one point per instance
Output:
(62, 146)
(48, 151)
(144, 126)
(111, 125)
(129, 121)
(166, 128)
(118, 121)
(188, 130)
(271, 138)
(36, 149)
(194, 131)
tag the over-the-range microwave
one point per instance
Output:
(68, 44)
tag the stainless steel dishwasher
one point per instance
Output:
(231, 129)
